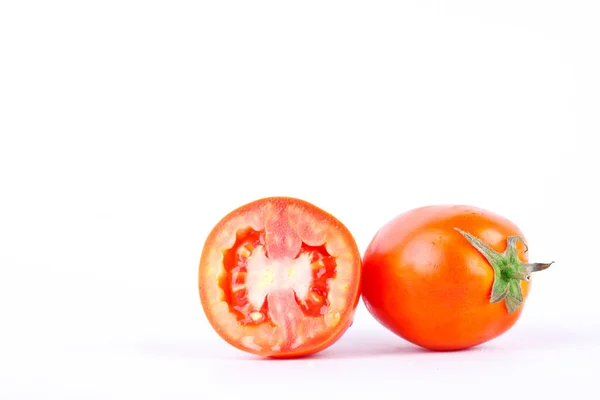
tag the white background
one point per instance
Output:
(129, 128)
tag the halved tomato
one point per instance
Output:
(280, 277)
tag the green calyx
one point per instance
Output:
(509, 270)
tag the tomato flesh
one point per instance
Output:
(290, 278)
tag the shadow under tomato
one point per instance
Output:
(356, 344)
(378, 344)
(375, 343)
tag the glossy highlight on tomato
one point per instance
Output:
(447, 277)
(280, 277)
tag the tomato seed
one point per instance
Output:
(256, 316)
(315, 298)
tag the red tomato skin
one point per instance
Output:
(424, 282)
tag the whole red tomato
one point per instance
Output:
(447, 277)
(280, 277)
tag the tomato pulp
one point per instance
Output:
(280, 277)
(447, 277)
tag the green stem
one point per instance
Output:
(509, 270)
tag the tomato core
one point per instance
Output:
(251, 276)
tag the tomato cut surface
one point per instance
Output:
(280, 277)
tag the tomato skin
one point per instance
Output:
(423, 281)
(312, 224)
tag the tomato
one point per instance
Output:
(280, 277)
(447, 277)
